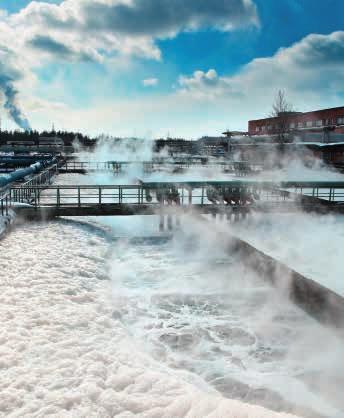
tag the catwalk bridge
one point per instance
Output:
(236, 198)
(239, 168)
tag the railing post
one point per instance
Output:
(100, 195)
(58, 197)
(79, 197)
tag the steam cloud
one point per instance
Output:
(11, 104)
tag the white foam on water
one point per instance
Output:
(194, 308)
(64, 350)
(179, 330)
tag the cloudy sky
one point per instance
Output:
(153, 67)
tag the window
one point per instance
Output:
(257, 128)
(300, 125)
(269, 127)
(309, 124)
(340, 121)
(292, 125)
(319, 123)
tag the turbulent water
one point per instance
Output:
(97, 323)
(96, 326)
(65, 351)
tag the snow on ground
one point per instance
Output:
(64, 353)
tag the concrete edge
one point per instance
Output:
(316, 300)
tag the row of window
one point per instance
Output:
(307, 124)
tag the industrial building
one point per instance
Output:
(325, 125)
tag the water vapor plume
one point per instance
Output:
(11, 103)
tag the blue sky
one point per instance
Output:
(101, 88)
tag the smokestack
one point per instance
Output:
(11, 103)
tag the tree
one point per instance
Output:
(281, 111)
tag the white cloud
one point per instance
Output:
(98, 30)
(93, 27)
(311, 71)
(150, 82)
(3, 14)
(205, 85)
(76, 30)
(207, 103)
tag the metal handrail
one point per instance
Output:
(5, 201)
(116, 166)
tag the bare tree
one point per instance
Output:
(281, 110)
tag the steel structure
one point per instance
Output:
(239, 167)
(7, 197)
(231, 197)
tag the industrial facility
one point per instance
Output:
(325, 125)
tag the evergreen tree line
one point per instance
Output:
(32, 137)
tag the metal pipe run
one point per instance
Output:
(21, 173)
(23, 160)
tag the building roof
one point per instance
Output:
(293, 114)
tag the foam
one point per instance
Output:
(214, 318)
(75, 344)
(62, 351)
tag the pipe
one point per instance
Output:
(23, 172)
(23, 161)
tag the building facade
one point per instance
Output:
(320, 121)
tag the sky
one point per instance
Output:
(152, 68)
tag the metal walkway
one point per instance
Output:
(41, 180)
(240, 168)
(228, 197)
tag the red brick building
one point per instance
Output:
(297, 122)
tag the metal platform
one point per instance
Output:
(239, 168)
(224, 197)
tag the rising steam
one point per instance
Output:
(11, 105)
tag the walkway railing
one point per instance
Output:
(330, 192)
(231, 193)
(239, 167)
(10, 194)
(5, 201)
